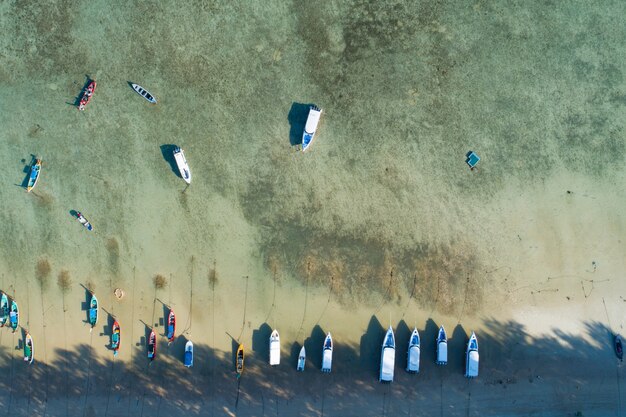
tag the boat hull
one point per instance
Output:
(171, 326)
(35, 171)
(275, 348)
(116, 338)
(144, 93)
(310, 128)
(301, 360)
(4, 310)
(327, 354)
(93, 311)
(240, 360)
(29, 349)
(183, 166)
(188, 360)
(388, 357)
(442, 347)
(14, 316)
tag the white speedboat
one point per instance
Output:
(301, 360)
(442, 347)
(327, 354)
(275, 348)
(471, 357)
(183, 167)
(188, 359)
(413, 355)
(311, 126)
(144, 93)
(388, 357)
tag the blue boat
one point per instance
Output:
(310, 127)
(14, 316)
(35, 170)
(188, 354)
(83, 221)
(4, 310)
(93, 312)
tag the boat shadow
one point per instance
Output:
(370, 347)
(84, 306)
(457, 346)
(167, 151)
(297, 119)
(261, 341)
(402, 334)
(26, 170)
(428, 346)
(76, 101)
(313, 345)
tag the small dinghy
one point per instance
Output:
(181, 162)
(4, 310)
(152, 345)
(188, 361)
(327, 354)
(115, 338)
(442, 347)
(275, 348)
(388, 357)
(143, 93)
(413, 355)
(82, 220)
(471, 357)
(240, 357)
(29, 351)
(619, 351)
(93, 312)
(14, 316)
(35, 170)
(311, 126)
(301, 360)
(87, 94)
(171, 326)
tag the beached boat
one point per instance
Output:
(35, 170)
(388, 357)
(93, 311)
(240, 357)
(29, 349)
(14, 316)
(82, 220)
(275, 348)
(413, 354)
(442, 347)
(311, 126)
(152, 345)
(301, 360)
(4, 310)
(471, 357)
(143, 93)
(183, 166)
(116, 338)
(188, 361)
(327, 354)
(619, 349)
(171, 326)
(87, 94)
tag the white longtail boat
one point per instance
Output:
(471, 357)
(143, 93)
(301, 360)
(327, 354)
(442, 347)
(413, 354)
(311, 126)
(181, 162)
(388, 357)
(275, 348)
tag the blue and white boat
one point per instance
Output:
(413, 355)
(35, 170)
(144, 93)
(14, 316)
(327, 354)
(301, 360)
(311, 126)
(387, 357)
(442, 347)
(188, 361)
(471, 357)
(83, 221)
(183, 166)
(93, 312)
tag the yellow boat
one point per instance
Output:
(239, 363)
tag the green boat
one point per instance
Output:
(93, 311)
(14, 316)
(29, 349)
(4, 310)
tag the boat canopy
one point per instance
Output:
(413, 363)
(442, 352)
(471, 366)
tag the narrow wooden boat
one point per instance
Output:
(311, 126)
(471, 357)
(152, 345)
(183, 166)
(327, 354)
(14, 316)
(82, 220)
(301, 360)
(442, 347)
(275, 348)
(93, 311)
(171, 326)
(240, 357)
(35, 170)
(188, 361)
(144, 93)
(413, 354)
(29, 349)
(4, 310)
(87, 94)
(116, 338)
(619, 350)
(388, 357)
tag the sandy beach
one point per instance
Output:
(379, 223)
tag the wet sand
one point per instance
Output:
(380, 223)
